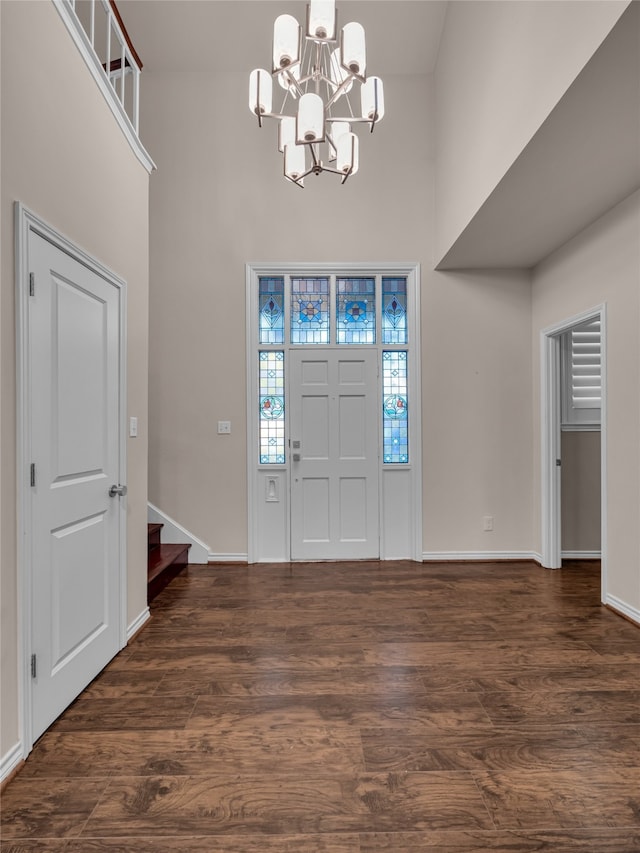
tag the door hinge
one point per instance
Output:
(558, 463)
(32, 474)
(34, 670)
(32, 284)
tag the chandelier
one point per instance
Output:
(314, 76)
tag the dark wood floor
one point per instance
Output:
(351, 708)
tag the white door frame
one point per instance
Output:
(412, 270)
(550, 396)
(26, 222)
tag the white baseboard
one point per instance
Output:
(627, 610)
(459, 556)
(173, 531)
(137, 623)
(581, 555)
(10, 761)
(227, 558)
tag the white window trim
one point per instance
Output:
(411, 270)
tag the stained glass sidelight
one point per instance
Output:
(394, 310)
(271, 308)
(395, 423)
(356, 311)
(271, 377)
(309, 310)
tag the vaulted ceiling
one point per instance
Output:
(235, 35)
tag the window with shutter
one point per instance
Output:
(582, 379)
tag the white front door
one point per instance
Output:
(74, 424)
(334, 454)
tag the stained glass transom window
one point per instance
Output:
(356, 311)
(309, 310)
(395, 422)
(394, 310)
(271, 370)
(271, 308)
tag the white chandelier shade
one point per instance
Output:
(286, 132)
(372, 99)
(260, 92)
(321, 20)
(353, 51)
(295, 162)
(310, 120)
(338, 129)
(347, 155)
(286, 42)
(316, 69)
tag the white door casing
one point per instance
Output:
(73, 532)
(333, 405)
(550, 411)
(269, 485)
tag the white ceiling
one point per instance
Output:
(583, 161)
(235, 35)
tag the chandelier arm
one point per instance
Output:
(296, 182)
(292, 83)
(339, 91)
(350, 119)
(332, 170)
(314, 157)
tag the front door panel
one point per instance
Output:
(334, 483)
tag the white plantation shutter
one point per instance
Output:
(585, 365)
(582, 374)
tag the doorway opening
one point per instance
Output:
(573, 445)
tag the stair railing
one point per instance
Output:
(99, 23)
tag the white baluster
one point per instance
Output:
(123, 59)
(136, 99)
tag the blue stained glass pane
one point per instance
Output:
(394, 310)
(271, 310)
(356, 311)
(309, 310)
(271, 402)
(395, 422)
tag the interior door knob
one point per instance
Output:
(117, 490)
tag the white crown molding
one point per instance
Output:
(87, 52)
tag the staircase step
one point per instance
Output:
(165, 562)
(153, 535)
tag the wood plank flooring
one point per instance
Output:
(351, 708)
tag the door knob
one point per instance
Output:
(117, 490)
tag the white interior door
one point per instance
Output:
(74, 426)
(334, 454)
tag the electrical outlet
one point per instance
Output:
(487, 523)
(224, 427)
